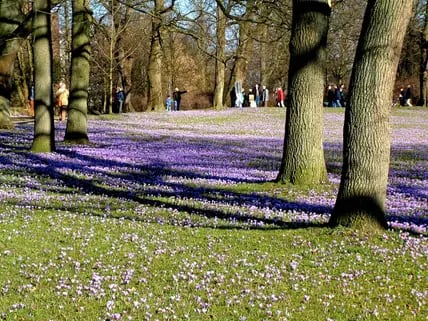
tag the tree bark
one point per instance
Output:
(423, 93)
(360, 201)
(243, 53)
(219, 64)
(155, 100)
(12, 19)
(303, 158)
(44, 131)
(77, 123)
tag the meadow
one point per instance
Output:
(175, 216)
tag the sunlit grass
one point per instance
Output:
(155, 221)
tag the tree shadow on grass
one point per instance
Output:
(148, 186)
(155, 182)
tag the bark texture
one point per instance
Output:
(220, 66)
(44, 131)
(155, 61)
(361, 199)
(243, 52)
(77, 123)
(12, 33)
(303, 157)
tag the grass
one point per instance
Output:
(191, 227)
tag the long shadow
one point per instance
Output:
(155, 172)
(181, 191)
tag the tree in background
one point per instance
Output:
(423, 101)
(44, 130)
(303, 156)
(77, 123)
(360, 202)
(15, 26)
(220, 60)
(345, 26)
(155, 100)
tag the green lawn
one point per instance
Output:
(88, 235)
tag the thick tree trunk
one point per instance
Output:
(77, 123)
(219, 65)
(155, 62)
(361, 199)
(11, 18)
(423, 93)
(44, 131)
(303, 157)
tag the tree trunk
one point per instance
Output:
(423, 101)
(263, 54)
(155, 61)
(77, 123)
(360, 202)
(243, 54)
(303, 158)
(44, 131)
(11, 18)
(219, 64)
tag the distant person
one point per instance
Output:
(265, 96)
(239, 99)
(120, 98)
(233, 97)
(257, 94)
(408, 96)
(177, 97)
(336, 100)
(31, 96)
(342, 95)
(280, 97)
(169, 103)
(330, 96)
(62, 100)
(252, 99)
(401, 97)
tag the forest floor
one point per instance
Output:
(175, 216)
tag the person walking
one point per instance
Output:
(280, 97)
(31, 97)
(265, 96)
(401, 97)
(62, 100)
(330, 96)
(257, 94)
(408, 96)
(336, 100)
(120, 97)
(252, 99)
(169, 103)
(177, 97)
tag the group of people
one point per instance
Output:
(174, 102)
(258, 96)
(61, 101)
(336, 96)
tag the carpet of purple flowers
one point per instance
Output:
(165, 182)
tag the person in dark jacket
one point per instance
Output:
(330, 96)
(177, 97)
(120, 98)
(408, 96)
